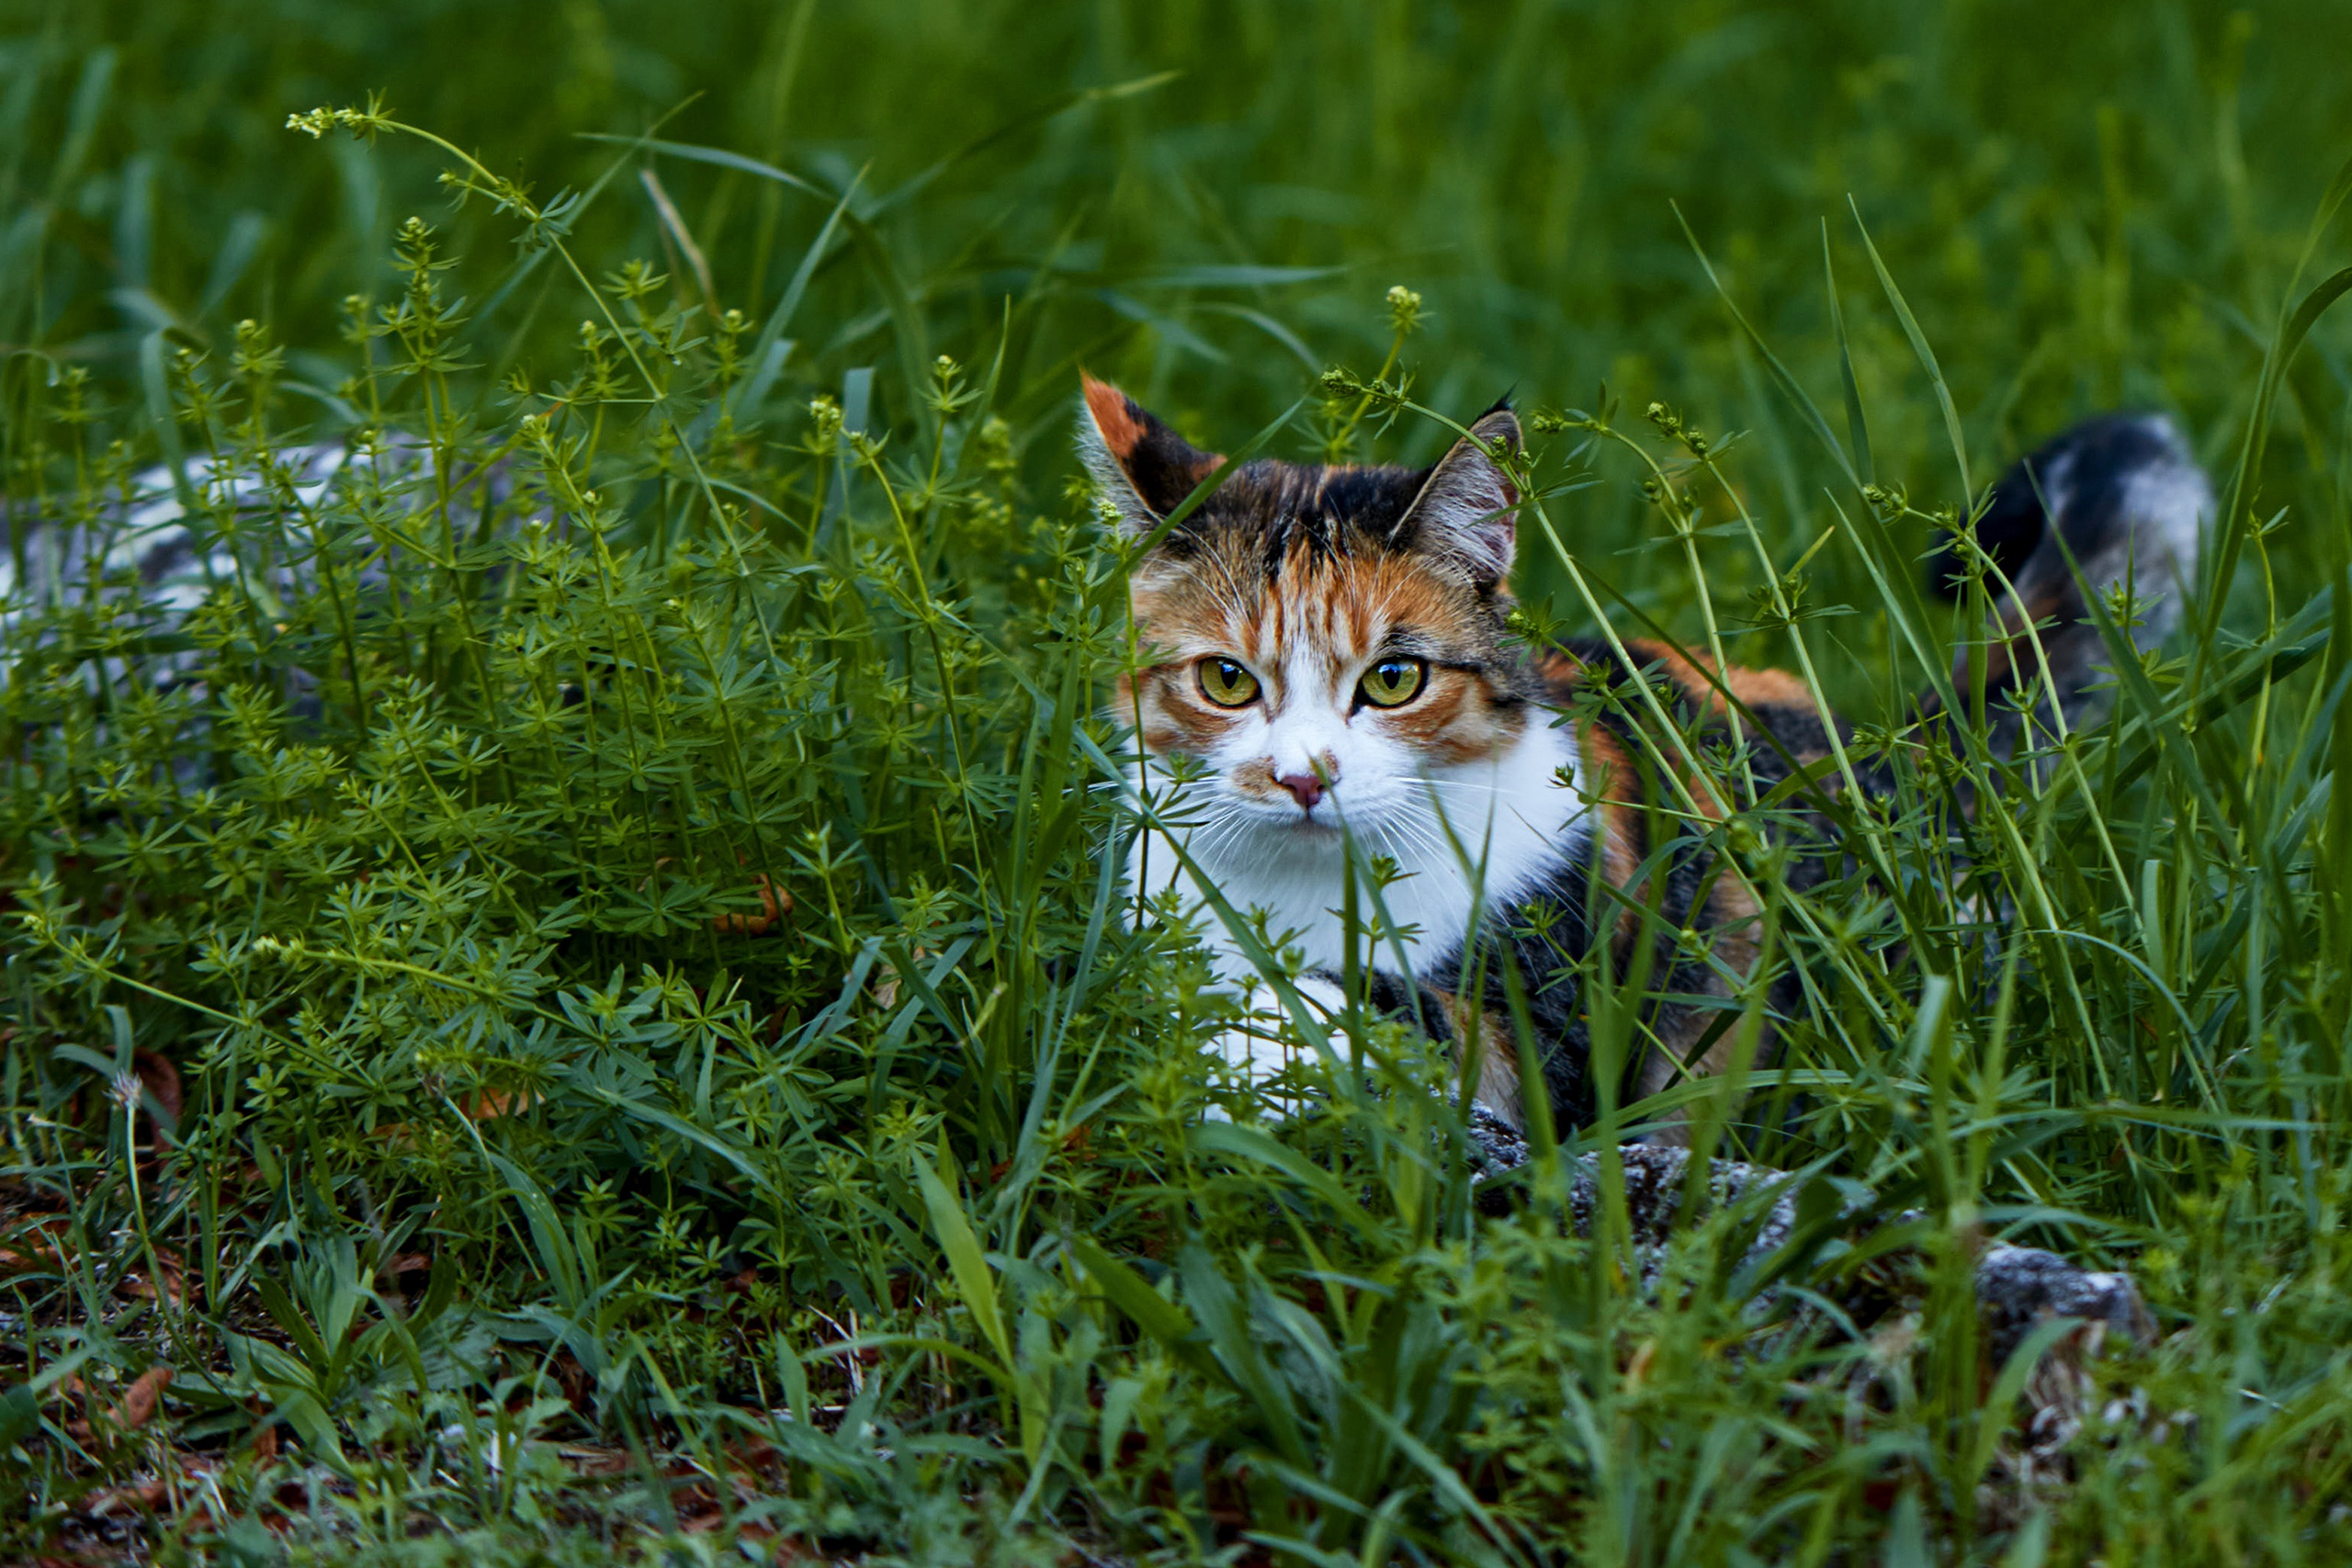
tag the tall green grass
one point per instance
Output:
(626, 897)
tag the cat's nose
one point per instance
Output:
(1305, 788)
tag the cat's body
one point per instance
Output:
(1329, 657)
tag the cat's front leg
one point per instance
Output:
(1261, 1050)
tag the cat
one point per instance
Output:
(1328, 652)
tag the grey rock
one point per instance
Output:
(2017, 1286)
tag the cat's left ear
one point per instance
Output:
(1468, 509)
(1140, 466)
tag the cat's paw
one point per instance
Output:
(1262, 1053)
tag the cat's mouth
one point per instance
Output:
(1320, 820)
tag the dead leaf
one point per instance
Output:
(886, 989)
(36, 1244)
(775, 904)
(590, 1461)
(148, 1496)
(754, 1456)
(492, 1103)
(140, 1400)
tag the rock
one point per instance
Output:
(2017, 1286)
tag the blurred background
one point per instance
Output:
(2084, 206)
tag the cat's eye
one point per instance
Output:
(1228, 683)
(1393, 682)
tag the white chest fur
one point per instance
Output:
(1476, 836)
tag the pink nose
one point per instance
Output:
(1305, 788)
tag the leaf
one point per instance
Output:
(1906, 1535)
(140, 1400)
(2238, 501)
(1251, 1143)
(490, 1104)
(1857, 428)
(1927, 357)
(1146, 1308)
(20, 1414)
(1782, 376)
(289, 1317)
(966, 1259)
(557, 1256)
(1225, 1320)
(1234, 276)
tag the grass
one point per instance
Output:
(578, 1005)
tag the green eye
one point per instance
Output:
(1224, 683)
(1393, 682)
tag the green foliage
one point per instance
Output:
(576, 992)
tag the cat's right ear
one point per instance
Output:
(1465, 512)
(1142, 468)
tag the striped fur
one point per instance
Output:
(1530, 809)
(2134, 504)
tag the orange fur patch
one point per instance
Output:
(1113, 414)
(1760, 687)
(1497, 1049)
(1691, 677)
(1612, 776)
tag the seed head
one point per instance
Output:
(1404, 309)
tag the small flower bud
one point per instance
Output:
(1404, 309)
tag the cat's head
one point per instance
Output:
(1326, 639)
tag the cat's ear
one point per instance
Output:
(1142, 468)
(1466, 510)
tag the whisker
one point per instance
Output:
(1421, 835)
(1437, 786)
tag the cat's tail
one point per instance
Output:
(2130, 504)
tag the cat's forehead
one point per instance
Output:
(1273, 512)
(1285, 557)
(1343, 601)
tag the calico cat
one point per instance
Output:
(1329, 659)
